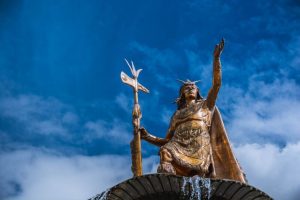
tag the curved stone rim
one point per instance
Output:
(166, 186)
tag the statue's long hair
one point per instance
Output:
(181, 102)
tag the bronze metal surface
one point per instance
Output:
(196, 142)
(135, 144)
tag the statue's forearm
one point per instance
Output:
(216, 83)
(217, 74)
(155, 140)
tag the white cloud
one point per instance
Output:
(39, 174)
(38, 115)
(266, 112)
(49, 116)
(112, 131)
(266, 109)
(70, 118)
(272, 169)
(124, 102)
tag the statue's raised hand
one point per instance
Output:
(219, 48)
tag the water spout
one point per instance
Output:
(207, 186)
(200, 188)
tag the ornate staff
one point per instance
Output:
(135, 144)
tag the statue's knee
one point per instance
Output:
(165, 162)
(165, 156)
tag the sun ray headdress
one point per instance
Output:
(180, 101)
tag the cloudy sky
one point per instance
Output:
(65, 116)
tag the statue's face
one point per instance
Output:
(190, 91)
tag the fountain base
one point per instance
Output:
(172, 187)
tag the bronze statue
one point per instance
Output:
(196, 142)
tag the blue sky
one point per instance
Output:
(65, 115)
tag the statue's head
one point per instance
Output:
(188, 91)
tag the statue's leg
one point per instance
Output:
(165, 162)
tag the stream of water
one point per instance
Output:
(199, 187)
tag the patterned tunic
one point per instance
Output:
(190, 146)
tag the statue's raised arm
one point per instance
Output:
(217, 76)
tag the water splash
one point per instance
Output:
(196, 193)
(200, 187)
(186, 180)
(207, 185)
(101, 196)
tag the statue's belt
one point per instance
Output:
(188, 133)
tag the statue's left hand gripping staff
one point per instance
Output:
(136, 118)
